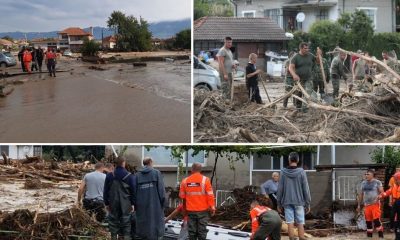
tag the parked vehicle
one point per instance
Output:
(215, 232)
(204, 76)
(67, 53)
(7, 60)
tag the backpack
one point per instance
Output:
(120, 197)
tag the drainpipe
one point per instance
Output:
(393, 19)
(251, 169)
(333, 161)
(343, 6)
(235, 5)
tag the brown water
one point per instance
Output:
(148, 105)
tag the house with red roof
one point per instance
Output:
(109, 42)
(73, 37)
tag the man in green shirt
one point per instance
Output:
(300, 70)
(337, 71)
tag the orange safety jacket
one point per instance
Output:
(394, 191)
(27, 57)
(198, 193)
(254, 215)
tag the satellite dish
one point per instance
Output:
(289, 35)
(300, 17)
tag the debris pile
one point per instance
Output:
(241, 208)
(39, 169)
(26, 224)
(361, 117)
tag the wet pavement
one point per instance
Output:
(121, 103)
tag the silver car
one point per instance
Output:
(7, 60)
(204, 76)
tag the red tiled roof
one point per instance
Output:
(5, 42)
(239, 28)
(110, 39)
(39, 40)
(74, 31)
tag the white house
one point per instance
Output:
(20, 151)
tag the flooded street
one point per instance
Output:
(120, 103)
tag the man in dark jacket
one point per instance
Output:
(150, 200)
(119, 198)
(294, 195)
(21, 58)
(40, 57)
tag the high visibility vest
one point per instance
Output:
(393, 191)
(198, 193)
(27, 56)
(254, 215)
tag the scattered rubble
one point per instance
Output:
(38, 169)
(26, 224)
(371, 116)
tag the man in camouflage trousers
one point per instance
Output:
(337, 71)
(317, 79)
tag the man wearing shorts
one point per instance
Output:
(371, 188)
(294, 195)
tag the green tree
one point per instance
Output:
(298, 38)
(90, 47)
(389, 155)
(326, 35)
(359, 30)
(132, 34)
(8, 38)
(234, 153)
(221, 8)
(183, 39)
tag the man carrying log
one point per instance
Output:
(317, 77)
(300, 70)
(337, 71)
(92, 188)
(265, 222)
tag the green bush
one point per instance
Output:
(183, 39)
(326, 35)
(90, 47)
(384, 41)
(298, 38)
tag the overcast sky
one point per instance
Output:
(55, 15)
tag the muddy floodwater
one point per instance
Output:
(110, 103)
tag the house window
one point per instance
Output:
(371, 13)
(249, 14)
(37, 151)
(274, 14)
(162, 156)
(308, 160)
(5, 149)
(323, 15)
(249, 2)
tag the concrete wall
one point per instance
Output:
(385, 12)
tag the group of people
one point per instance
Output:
(302, 67)
(370, 196)
(133, 203)
(32, 59)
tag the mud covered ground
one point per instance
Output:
(113, 102)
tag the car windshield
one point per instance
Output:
(8, 54)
